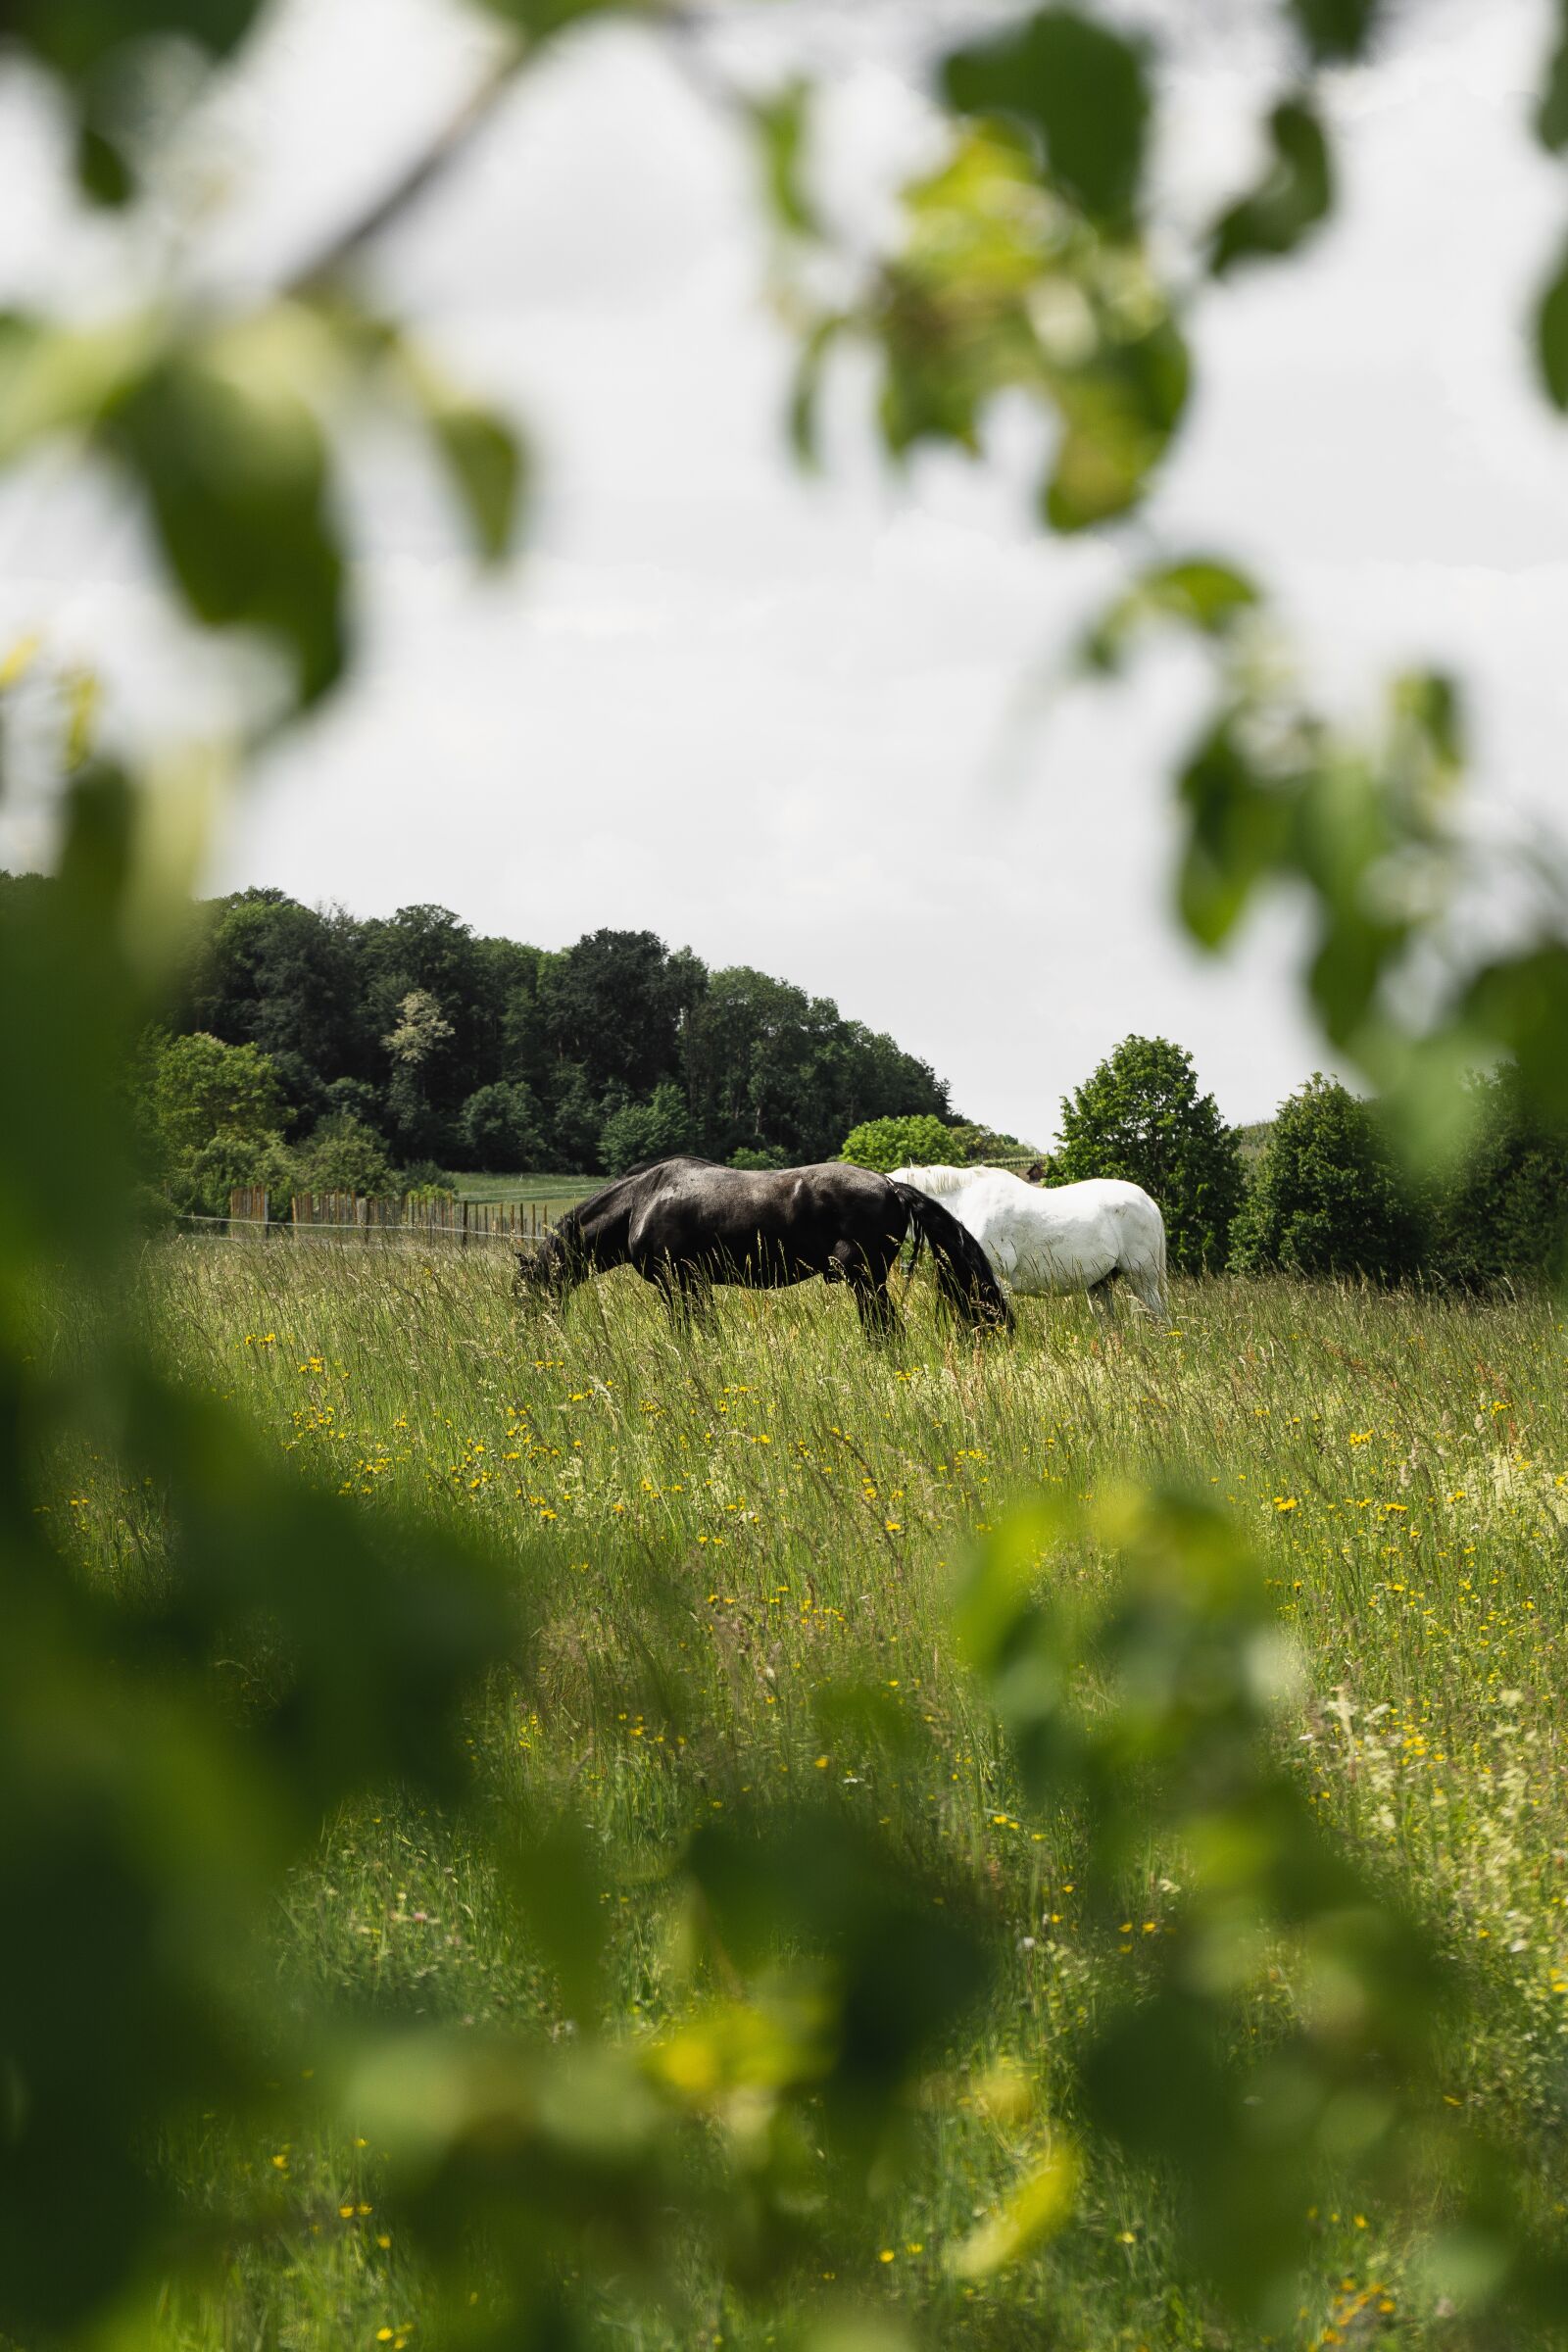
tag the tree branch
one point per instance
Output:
(444, 150)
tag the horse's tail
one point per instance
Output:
(963, 1270)
(1143, 1258)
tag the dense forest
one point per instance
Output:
(486, 1054)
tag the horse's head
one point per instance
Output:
(548, 1270)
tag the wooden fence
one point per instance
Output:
(351, 1216)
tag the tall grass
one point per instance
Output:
(740, 1544)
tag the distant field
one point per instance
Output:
(530, 1186)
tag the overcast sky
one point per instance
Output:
(800, 725)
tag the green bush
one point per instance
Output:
(204, 1182)
(921, 1142)
(646, 1131)
(345, 1155)
(502, 1127)
(972, 1145)
(1502, 1217)
(195, 1087)
(353, 1097)
(1326, 1196)
(766, 1156)
(1141, 1118)
(423, 1180)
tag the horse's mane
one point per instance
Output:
(938, 1182)
(941, 1183)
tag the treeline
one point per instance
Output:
(477, 1053)
(1318, 1190)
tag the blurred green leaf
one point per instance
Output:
(1119, 413)
(953, 315)
(1294, 195)
(1204, 594)
(1428, 745)
(805, 389)
(551, 1876)
(862, 2333)
(59, 379)
(75, 36)
(103, 170)
(66, 1195)
(234, 468)
(1551, 337)
(1238, 826)
(1198, 592)
(782, 123)
(541, 19)
(906, 1971)
(999, 287)
(1336, 30)
(1551, 118)
(489, 471)
(1081, 88)
(1034, 2213)
(1521, 1002)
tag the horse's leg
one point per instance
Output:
(697, 1292)
(880, 1317)
(867, 1278)
(1101, 1298)
(673, 1283)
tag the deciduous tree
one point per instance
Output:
(1326, 1196)
(1140, 1116)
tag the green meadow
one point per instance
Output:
(722, 1533)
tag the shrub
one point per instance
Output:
(202, 1185)
(920, 1142)
(424, 1180)
(577, 1118)
(352, 1097)
(502, 1126)
(1503, 1214)
(344, 1155)
(1326, 1196)
(191, 1088)
(153, 1211)
(649, 1129)
(1141, 1116)
(969, 1144)
(766, 1155)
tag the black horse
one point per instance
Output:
(688, 1223)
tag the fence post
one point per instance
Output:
(247, 1206)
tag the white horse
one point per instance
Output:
(1045, 1239)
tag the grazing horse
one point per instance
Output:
(1043, 1238)
(687, 1223)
